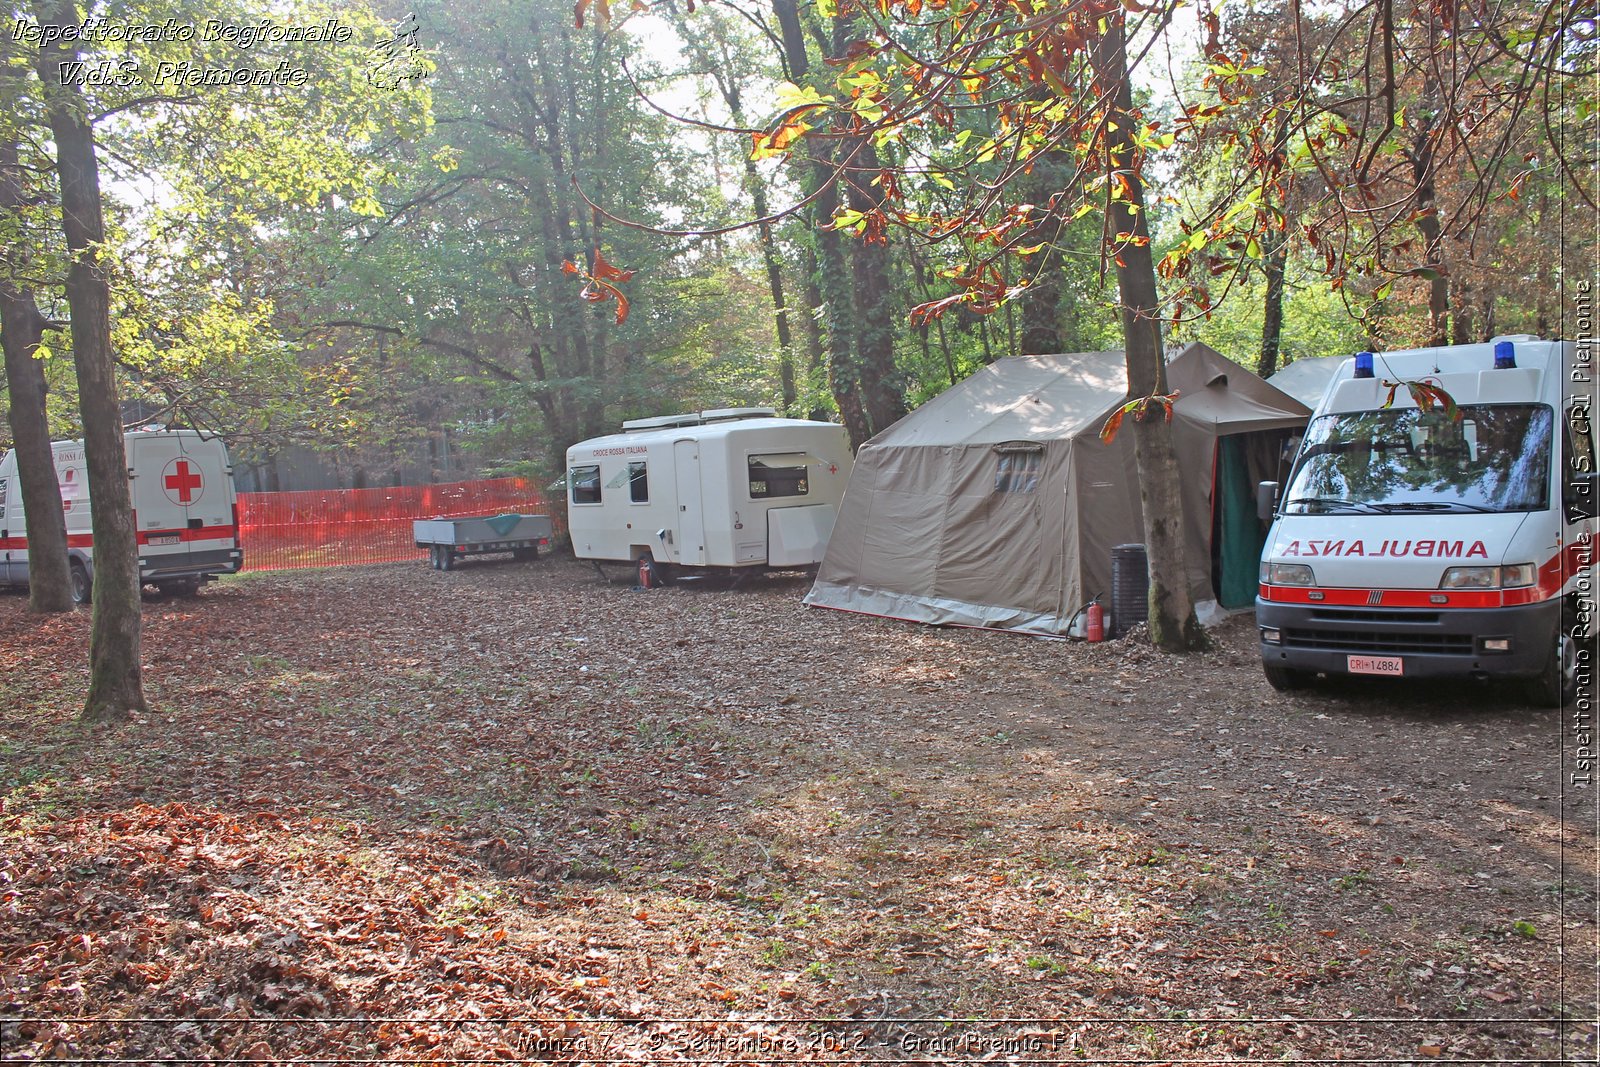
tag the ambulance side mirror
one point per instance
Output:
(1266, 500)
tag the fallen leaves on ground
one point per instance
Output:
(511, 811)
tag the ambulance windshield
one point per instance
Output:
(1495, 458)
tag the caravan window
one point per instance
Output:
(585, 483)
(782, 474)
(1017, 471)
(632, 476)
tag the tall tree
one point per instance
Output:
(968, 97)
(1172, 619)
(116, 687)
(716, 50)
(22, 329)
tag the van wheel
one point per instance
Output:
(180, 587)
(82, 585)
(1286, 679)
(1557, 684)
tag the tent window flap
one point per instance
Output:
(1016, 467)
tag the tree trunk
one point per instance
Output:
(1041, 304)
(833, 274)
(728, 87)
(1423, 157)
(815, 353)
(1172, 621)
(21, 330)
(1461, 314)
(115, 683)
(1272, 319)
(874, 330)
(833, 279)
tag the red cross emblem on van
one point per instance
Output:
(181, 481)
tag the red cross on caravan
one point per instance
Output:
(185, 481)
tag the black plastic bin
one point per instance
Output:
(1130, 588)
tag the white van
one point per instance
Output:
(1410, 544)
(729, 488)
(184, 505)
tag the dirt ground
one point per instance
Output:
(512, 812)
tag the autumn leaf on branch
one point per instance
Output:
(1426, 395)
(1140, 409)
(598, 286)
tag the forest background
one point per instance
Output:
(368, 267)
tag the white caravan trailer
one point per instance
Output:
(1411, 544)
(184, 507)
(730, 488)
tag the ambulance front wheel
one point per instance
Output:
(82, 585)
(1286, 679)
(1556, 685)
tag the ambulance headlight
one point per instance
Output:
(1517, 574)
(1508, 577)
(1287, 574)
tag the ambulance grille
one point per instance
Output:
(1425, 618)
(1379, 642)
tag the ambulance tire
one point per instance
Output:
(1556, 685)
(1287, 679)
(82, 584)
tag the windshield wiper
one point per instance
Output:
(1432, 505)
(1327, 502)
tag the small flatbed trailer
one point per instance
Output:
(448, 540)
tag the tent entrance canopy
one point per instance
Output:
(996, 504)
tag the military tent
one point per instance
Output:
(1306, 379)
(996, 504)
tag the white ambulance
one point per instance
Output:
(1411, 544)
(185, 512)
(731, 488)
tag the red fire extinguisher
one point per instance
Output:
(1094, 622)
(647, 573)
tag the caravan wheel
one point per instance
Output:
(82, 586)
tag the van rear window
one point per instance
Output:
(777, 475)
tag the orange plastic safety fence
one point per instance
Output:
(279, 531)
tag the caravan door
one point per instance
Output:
(691, 532)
